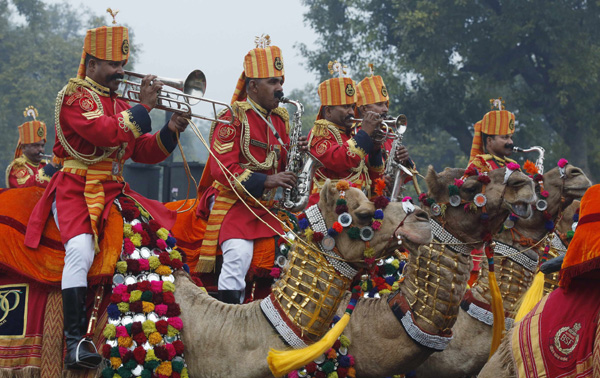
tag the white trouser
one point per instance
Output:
(79, 255)
(237, 256)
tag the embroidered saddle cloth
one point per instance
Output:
(556, 339)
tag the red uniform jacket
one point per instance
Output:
(249, 150)
(23, 173)
(92, 118)
(489, 162)
(344, 157)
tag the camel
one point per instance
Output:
(469, 350)
(435, 279)
(233, 340)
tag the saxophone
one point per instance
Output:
(393, 168)
(302, 164)
(539, 163)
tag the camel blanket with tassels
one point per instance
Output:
(559, 336)
(45, 264)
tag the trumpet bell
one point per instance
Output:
(195, 86)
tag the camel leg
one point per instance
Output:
(501, 363)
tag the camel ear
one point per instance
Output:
(435, 185)
(328, 193)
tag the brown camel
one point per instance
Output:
(224, 340)
(469, 351)
(436, 277)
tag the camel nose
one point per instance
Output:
(421, 215)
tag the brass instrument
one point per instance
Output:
(302, 164)
(192, 88)
(391, 125)
(392, 167)
(539, 163)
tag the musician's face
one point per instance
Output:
(106, 72)
(34, 151)
(340, 115)
(498, 145)
(380, 108)
(262, 91)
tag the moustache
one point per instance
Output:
(509, 146)
(115, 77)
(279, 95)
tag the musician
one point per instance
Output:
(492, 142)
(253, 151)
(97, 131)
(372, 95)
(346, 154)
(28, 169)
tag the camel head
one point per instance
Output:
(570, 187)
(466, 221)
(413, 228)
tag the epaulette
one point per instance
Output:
(74, 84)
(284, 115)
(19, 162)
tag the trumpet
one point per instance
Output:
(390, 124)
(192, 88)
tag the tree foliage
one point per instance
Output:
(442, 60)
(40, 49)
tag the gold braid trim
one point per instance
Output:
(310, 291)
(87, 159)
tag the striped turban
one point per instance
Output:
(371, 90)
(496, 122)
(106, 43)
(336, 91)
(259, 63)
(30, 132)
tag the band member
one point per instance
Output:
(28, 169)
(333, 141)
(492, 142)
(252, 151)
(372, 95)
(96, 133)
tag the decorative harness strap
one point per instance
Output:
(287, 330)
(515, 255)
(440, 234)
(401, 309)
(483, 311)
(315, 218)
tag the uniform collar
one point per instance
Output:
(100, 89)
(259, 108)
(29, 161)
(501, 161)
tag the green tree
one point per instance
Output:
(40, 49)
(442, 60)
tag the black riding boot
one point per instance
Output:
(230, 296)
(81, 353)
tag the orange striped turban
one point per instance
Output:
(583, 254)
(371, 90)
(30, 132)
(496, 122)
(106, 43)
(259, 63)
(336, 91)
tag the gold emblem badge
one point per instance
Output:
(40, 131)
(226, 133)
(322, 147)
(125, 47)
(278, 64)
(86, 103)
(511, 124)
(384, 91)
(350, 91)
(565, 341)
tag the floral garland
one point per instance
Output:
(385, 277)
(144, 329)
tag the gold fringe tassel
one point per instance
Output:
(497, 311)
(531, 297)
(282, 362)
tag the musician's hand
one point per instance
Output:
(389, 184)
(371, 122)
(149, 90)
(401, 154)
(302, 144)
(178, 122)
(284, 179)
(378, 138)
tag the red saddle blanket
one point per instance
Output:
(557, 338)
(45, 264)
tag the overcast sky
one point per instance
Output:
(178, 36)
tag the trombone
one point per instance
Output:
(192, 88)
(390, 125)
